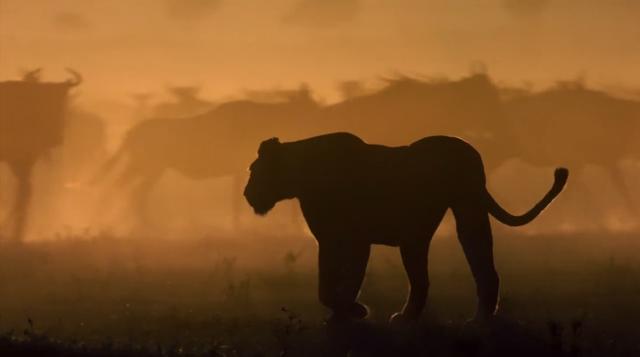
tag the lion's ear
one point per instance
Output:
(268, 146)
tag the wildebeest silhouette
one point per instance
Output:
(220, 142)
(407, 109)
(353, 194)
(217, 143)
(185, 102)
(576, 126)
(32, 116)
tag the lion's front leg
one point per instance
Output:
(414, 249)
(342, 266)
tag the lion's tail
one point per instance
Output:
(561, 175)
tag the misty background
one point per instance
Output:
(147, 58)
(126, 47)
(137, 231)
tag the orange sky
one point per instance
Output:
(124, 47)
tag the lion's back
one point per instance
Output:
(388, 187)
(427, 165)
(435, 165)
(344, 162)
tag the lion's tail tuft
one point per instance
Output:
(561, 174)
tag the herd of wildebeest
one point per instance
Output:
(568, 124)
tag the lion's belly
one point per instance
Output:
(384, 195)
(374, 219)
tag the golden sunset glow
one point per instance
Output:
(265, 177)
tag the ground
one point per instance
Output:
(255, 295)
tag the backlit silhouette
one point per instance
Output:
(354, 194)
(221, 141)
(544, 126)
(469, 108)
(31, 123)
(217, 143)
(185, 102)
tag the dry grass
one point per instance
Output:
(255, 296)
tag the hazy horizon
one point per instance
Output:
(124, 48)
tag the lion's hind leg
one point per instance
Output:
(474, 233)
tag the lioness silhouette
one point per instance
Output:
(355, 194)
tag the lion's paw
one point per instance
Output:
(356, 311)
(400, 319)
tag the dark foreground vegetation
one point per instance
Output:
(251, 295)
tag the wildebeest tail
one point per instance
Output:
(561, 174)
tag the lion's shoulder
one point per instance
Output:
(443, 144)
(337, 137)
(439, 140)
(328, 142)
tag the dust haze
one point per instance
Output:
(136, 59)
(127, 128)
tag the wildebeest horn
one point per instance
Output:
(77, 78)
(32, 76)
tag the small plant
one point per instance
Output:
(238, 293)
(290, 259)
(288, 327)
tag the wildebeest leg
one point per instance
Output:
(415, 253)
(342, 266)
(22, 171)
(140, 196)
(620, 185)
(474, 233)
(125, 182)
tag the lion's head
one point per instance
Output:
(268, 183)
